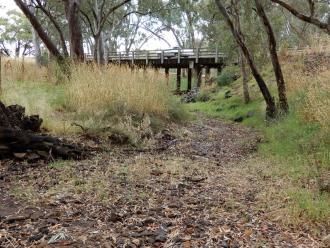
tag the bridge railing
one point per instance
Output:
(164, 55)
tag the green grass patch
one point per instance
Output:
(300, 150)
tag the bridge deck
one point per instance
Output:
(170, 58)
(190, 59)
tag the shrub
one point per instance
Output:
(228, 75)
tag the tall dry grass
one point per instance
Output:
(22, 70)
(310, 76)
(109, 90)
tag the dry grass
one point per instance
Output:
(23, 70)
(95, 97)
(110, 90)
(316, 90)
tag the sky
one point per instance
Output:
(152, 44)
(8, 5)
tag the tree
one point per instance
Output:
(15, 31)
(35, 40)
(270, 103)
(40, 30)
(242, 61)
(72, 8)
(273, 54)
(95, 14)
(325, 26)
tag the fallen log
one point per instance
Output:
(20, 138)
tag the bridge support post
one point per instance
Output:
(178, 80)
(167, 75)
(189, 79)
(219, 71)
(207, 74)
(198, 75)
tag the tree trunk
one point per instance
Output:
(241, 55)
(96, 48)
(72, 15)
(271, 107)
(273, 53)
(35, 40)
(17, 49)
(39, 29)
(244, 77)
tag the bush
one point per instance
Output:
(228, 75)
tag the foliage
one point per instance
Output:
(15, 30)
(227, 76)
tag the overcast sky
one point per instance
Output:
(152, 44)
(7, 5)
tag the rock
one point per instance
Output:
(250, 114)
(191, 96)
(61, 237)
(239, 119)
(20, 155)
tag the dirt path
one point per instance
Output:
(192, 190)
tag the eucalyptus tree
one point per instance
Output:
(96, 15)
(15, 32)
(270, 103)
(273, 54)
(322, 21)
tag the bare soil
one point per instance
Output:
(192, 188)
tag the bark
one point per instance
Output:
(309, 19)
(57, 27)
(72, 14)
(275, 61)
(17, 49)
(245, 77)
(271, 108)
(39, 29)
(102, 49)
(35, 40)
(242, 61)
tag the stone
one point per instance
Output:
(190, 96)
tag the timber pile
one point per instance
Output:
(20, 138)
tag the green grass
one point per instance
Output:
(299, 150)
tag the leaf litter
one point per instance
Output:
(190, 189)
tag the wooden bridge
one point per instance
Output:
(194, 60)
